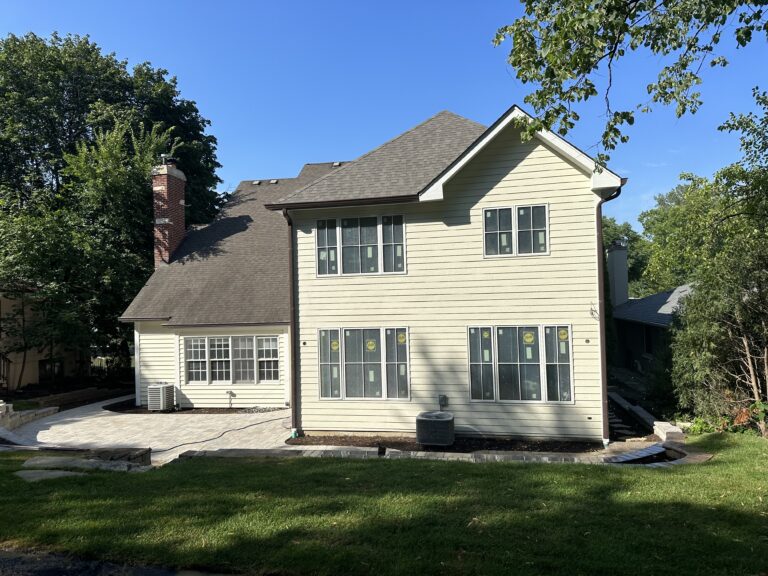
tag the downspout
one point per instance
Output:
(601, 311)
(294, 338)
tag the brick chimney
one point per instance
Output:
(168, 183)
(618, 273)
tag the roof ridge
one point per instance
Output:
(379, 147)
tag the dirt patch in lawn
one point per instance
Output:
(462, 444)
(129, 407)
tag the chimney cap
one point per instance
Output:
(168, 160)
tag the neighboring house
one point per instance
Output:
(642, 324)
(35, 366)
(455, 260)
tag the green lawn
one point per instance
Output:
(310, 516)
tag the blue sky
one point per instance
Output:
(290, 82)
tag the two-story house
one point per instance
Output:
(454, 260)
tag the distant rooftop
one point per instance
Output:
(656, 309)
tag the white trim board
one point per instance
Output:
(603, 181)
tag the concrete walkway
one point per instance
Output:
(167, 434)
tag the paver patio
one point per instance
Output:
(168, 435)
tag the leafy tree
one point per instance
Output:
(569, 50)
(715, 235)
(79, 134)
(637, 251)
(55, 94)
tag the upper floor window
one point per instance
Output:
(515, 231)
(359, 246)
(369, 245)
(327, 250)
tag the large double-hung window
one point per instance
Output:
(359, 363)
(364, 245)
(231, 359)
(528, 363)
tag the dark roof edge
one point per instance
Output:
(213, 324)
(350, 202)
(128, 319)
(644, 322)
(469, 148)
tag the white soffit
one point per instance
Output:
(603, 181)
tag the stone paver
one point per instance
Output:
(38, 475)
(167, 434)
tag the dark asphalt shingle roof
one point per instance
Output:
(232, 271)
(656, 309)
(398, 169)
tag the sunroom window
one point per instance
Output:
(195, 354)
(268, 362)
(231, 359)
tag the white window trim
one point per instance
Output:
(256, 377)
(184, 379)
(342, 377)
(515, 253)
(379, 244)
(542, 365)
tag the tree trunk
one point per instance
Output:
(23, 342)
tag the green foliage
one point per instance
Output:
(568, 50)
(714, 234)
(700, 426)
(328, 516)
(638, 249)
(79, 134)
(56, 93)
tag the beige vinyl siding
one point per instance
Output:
(450, 285)
(161, 359)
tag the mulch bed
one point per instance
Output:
(462, 444)
(129, 407)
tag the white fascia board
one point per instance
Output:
(603, 181)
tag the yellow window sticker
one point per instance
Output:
(528, 338)
(486, 334)
(563, 334)
(401, 338)
(371, 345)
(335, 345)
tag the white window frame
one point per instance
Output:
(379, 243)
(542, 364)
(208, 379)
(257, 373)
(515, 253)
(342, 366)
